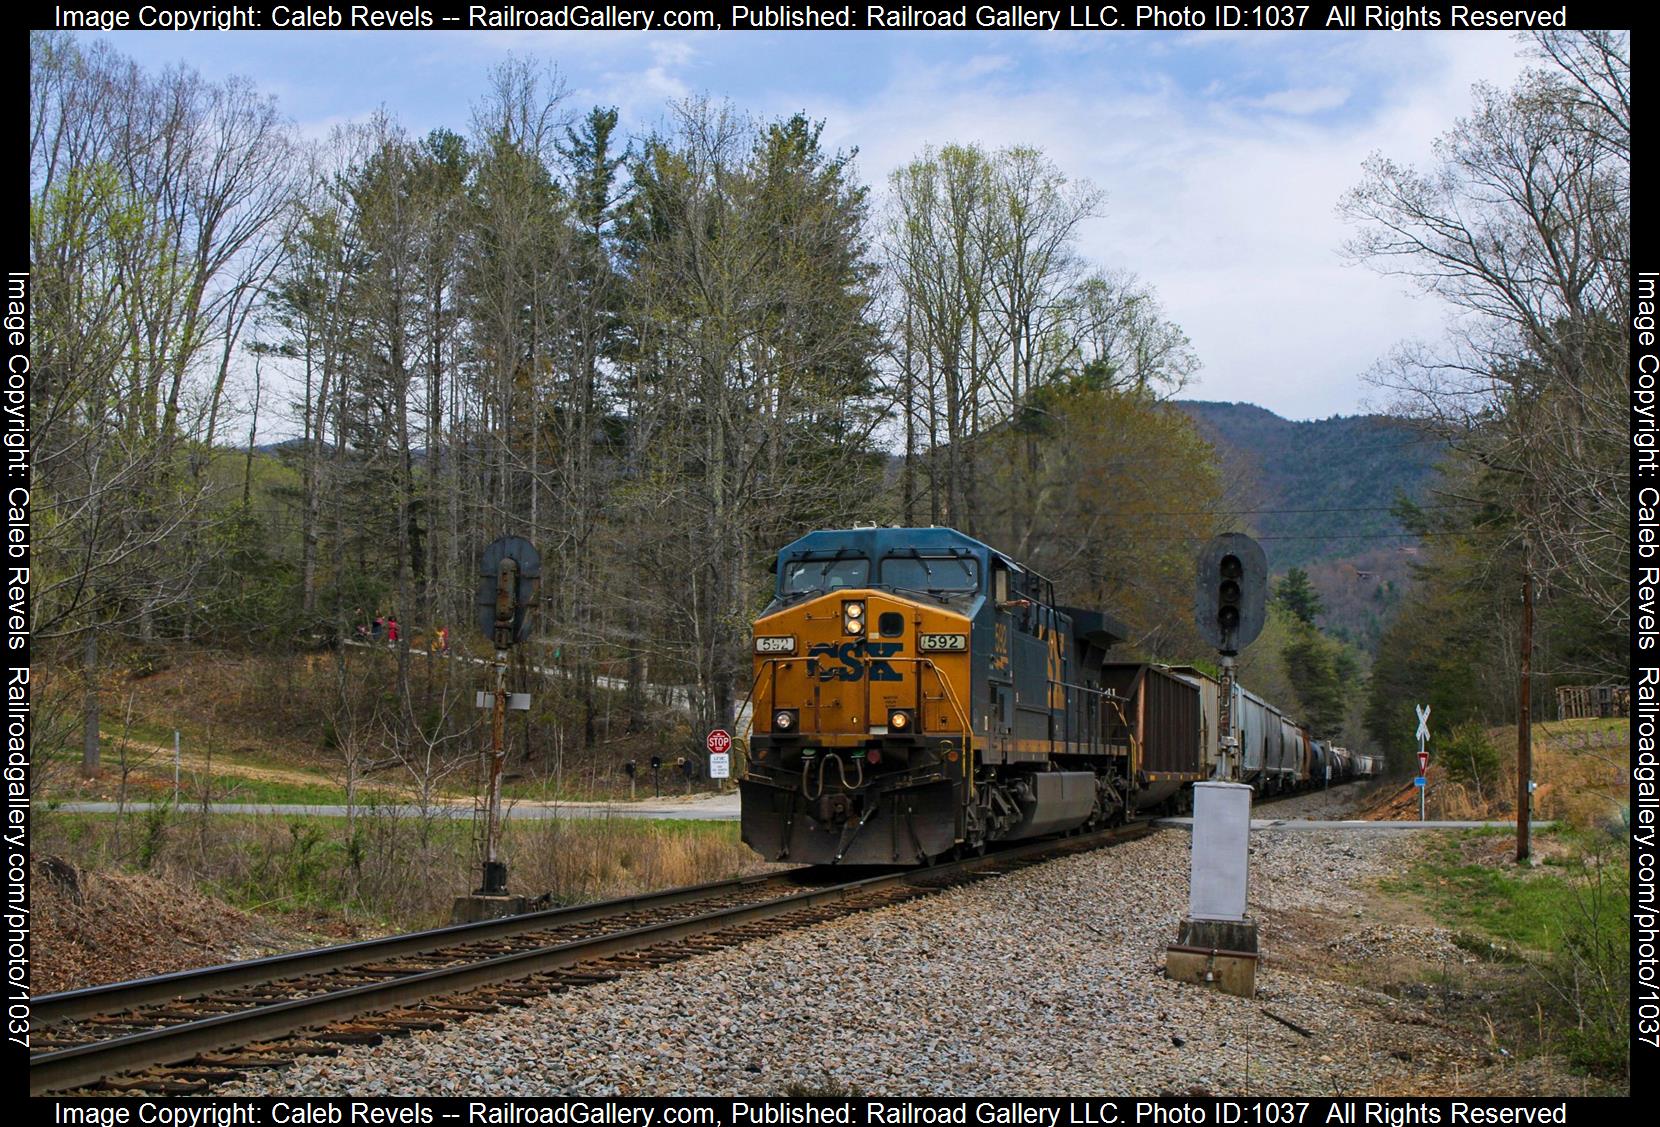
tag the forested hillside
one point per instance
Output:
(657, 357)
(661, 356)
(1522, 222)
(1322, 490)
(1322, 495)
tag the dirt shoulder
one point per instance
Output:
(105, 926)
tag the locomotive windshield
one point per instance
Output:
(825, 573)
(931, 573)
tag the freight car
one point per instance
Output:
(1277, 755)
(918, 693)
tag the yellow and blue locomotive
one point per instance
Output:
(919, 693)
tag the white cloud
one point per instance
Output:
(1229, 212)
(1305, 101)
(1223, 156)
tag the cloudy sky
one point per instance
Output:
(1222, 155)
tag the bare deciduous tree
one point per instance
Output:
(1523, 225)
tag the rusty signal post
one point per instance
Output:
(509, 576)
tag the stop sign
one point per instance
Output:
(719, 742)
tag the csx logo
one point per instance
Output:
(829, 661)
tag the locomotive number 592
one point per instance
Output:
(943, 643)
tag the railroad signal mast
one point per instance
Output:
(509, 576)
(1230, 609)
(1217, 941)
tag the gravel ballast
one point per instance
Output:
(1048, 981)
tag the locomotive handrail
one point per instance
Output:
(962, 715)
(963, 719)
(766, 666)
(1103, 694)
(1133, 741)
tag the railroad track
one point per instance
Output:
(185, 1032)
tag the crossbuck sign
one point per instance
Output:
(1423, 755)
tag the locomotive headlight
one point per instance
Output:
(784, 720)
(775, 643)
(853, 618)
(900, 720)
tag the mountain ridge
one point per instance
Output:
(1319, 493)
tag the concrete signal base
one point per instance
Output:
(1219, 953)
(477, 907)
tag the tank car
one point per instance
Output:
(918, 693)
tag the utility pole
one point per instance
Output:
(1524, 720)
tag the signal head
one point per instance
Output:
(1230, 596)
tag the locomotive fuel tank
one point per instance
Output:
(1052, 802)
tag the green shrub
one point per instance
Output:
(155, 831)
(1590, 964)
(1469, 757)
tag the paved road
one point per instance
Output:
(1310, 824)
(717, 808)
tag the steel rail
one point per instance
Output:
(51, 1009)
(84, 1064)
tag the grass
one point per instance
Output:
(1582, 768)
(1528, 909)
(241, 789)
(389, 868)
(151, 747)
(275, 715)
(1553, 938)
(150, 779)
(269, 723)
